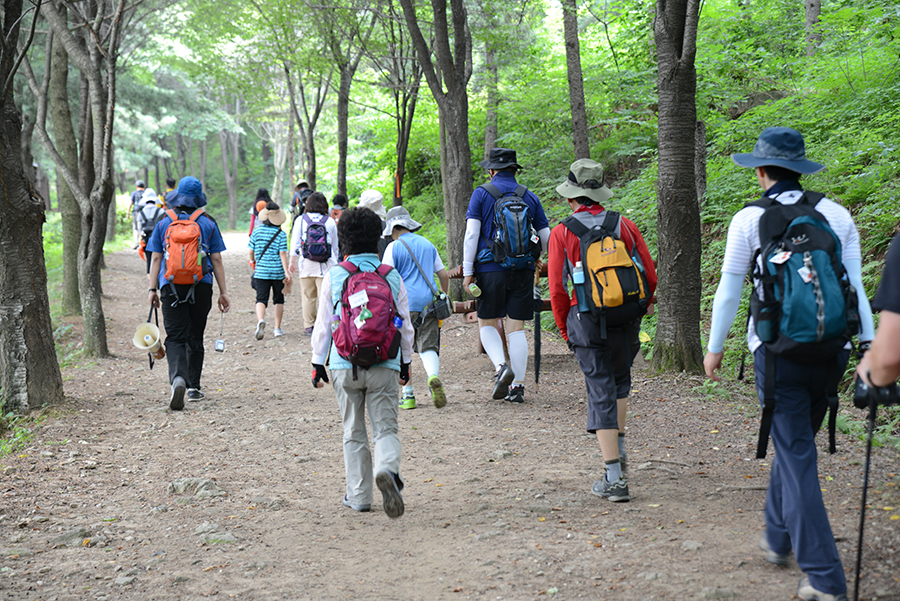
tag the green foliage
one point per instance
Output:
(16, 431)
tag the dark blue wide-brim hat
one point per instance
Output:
(500, 158)
(779, 147)
(189, 194)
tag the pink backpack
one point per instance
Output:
(362, 340)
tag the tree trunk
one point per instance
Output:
(203, 149)
(576, 81)
(29, 372)
(181, 162)
(343, 117)
(813, 36)
(228, 144)
(267, 160)
(27, 152)
(190, 158)
(455, 66)
(677, 344)
(493, 101)
(67, 144)
(700, 162)
(158, 187)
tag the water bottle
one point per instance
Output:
(335, 322)
(474, 290)
(578, 281)
(398, 322)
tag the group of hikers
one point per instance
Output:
(374, 291)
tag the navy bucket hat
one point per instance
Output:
(779, 147)
(500, 158)
(189, 194)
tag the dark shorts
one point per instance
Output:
(506, 294)
(262, 291)
(428, 334)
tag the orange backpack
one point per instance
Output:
(183, 252)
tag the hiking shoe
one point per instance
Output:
(308, 331)
(502, 379)
(278, 332)
(194, 395)
(393, 501)
(516, 394)
(176, 400)
(623, 462)
(261, 329)
(408, 401)
(806, 592)
(617, 491)
(437, 391)
(771, 556)
(364, 507)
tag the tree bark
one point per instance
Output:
(310, 117)
(577, 106)
(813, 36)
(228, 142)
(203, 151)
(677, 344)
(454, 62)
(700, 162)
(29, 371)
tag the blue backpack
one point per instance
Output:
(803, 305)
(516, 244)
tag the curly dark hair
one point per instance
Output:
(316, 203)
(359, 230)
(340, 200)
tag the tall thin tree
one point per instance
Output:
(577, 103)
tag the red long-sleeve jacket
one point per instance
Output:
(563, 242)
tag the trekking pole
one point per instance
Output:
(873, 407)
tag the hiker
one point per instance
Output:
(418, 262)
(260, 203)
(880, 366)
(505, 283)
(374, 201)
(170, 189)
(268, 255)
(298, 199)
(339, 204)
(604, 357)
(360, 390)
(185, 307)
(314, 247)
(150, 212)
(799, 388)
(136, 197)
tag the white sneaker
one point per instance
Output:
(261, 329)
(278, 332)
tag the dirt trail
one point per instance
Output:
(497, 496)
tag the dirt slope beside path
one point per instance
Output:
(239, 496)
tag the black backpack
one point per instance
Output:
(149, 223)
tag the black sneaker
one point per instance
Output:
(617, 491)
(176, 401)
(194, 395)
(390, 490)
(502, 379)
(516, 394)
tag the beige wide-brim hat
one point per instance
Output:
(374, 201)
(399, 216)
(274, 216)
(585, 179)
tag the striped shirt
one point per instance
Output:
(268, 264)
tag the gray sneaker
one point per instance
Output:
(361, 507)
(261, 329)
(502, 379)
(194, 395)
(176, 400)
(617, 491)
(806, 592)
(390, 490)
(772, 556)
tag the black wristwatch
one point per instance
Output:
(152, 290)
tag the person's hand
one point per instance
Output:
(711, 362)
(293, 268)
(467, 281)
(153, 297)
(224, 302)
(287, 279)
(319, 375)
(538, 265)
(404, 374)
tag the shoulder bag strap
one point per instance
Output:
(266, 247)
(422, 271)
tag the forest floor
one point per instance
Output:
(239, 495)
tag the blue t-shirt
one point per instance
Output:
(210, 241)
(417, 289)
(481, 207)
(268, 265)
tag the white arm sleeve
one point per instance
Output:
(470, 245)
(544, 235)
(725, 306)
(867, 324)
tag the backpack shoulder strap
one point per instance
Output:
(492, 190)
(172, 215)
(574, 225)
(520, 191)
(350, 267)
(196, 214)
(611, 221)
